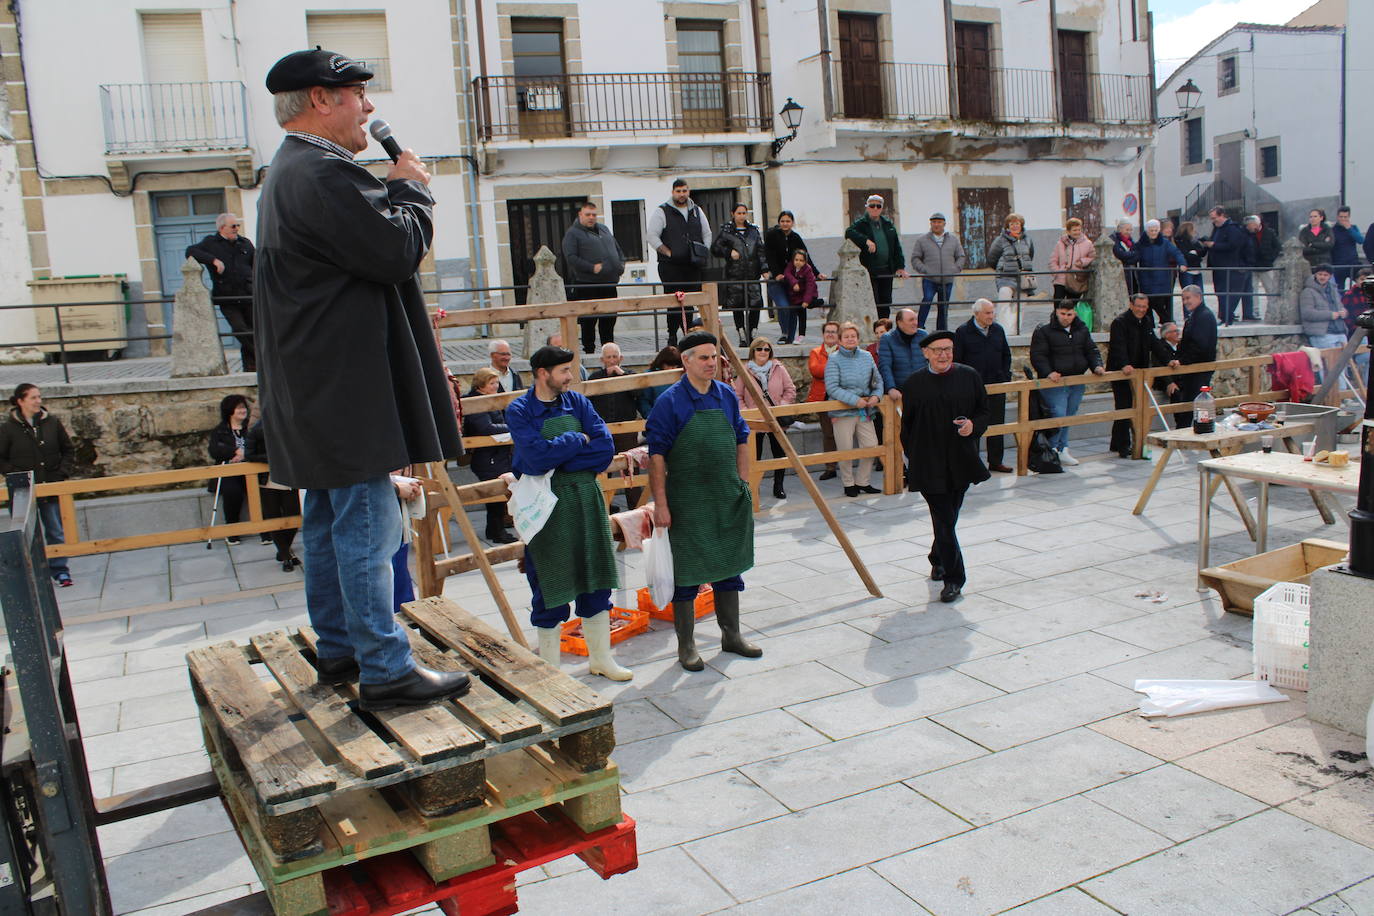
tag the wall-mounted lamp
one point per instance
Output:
(791, 115)
(1187, 97)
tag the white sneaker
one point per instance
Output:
(1066, 459)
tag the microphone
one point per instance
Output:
(381, 132)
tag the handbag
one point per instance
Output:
(1027, 280)
(698, 252)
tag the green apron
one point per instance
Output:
(573, 554)
(712, 533)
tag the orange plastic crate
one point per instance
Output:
(633, 622)
(705, 604)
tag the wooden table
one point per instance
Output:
(1219, 444)
(1273, 468)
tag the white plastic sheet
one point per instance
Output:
(658, 556)
(531, 503)
(1180, 698)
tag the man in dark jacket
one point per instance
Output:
(1266, 251)
(681, 234)
(1063, 346)
(1346, 240)
(880, 251)
(1198, 344)
(981, 344)
(1230, 252)
(229, 256)
(595, 263)
(351, 382)
(1132, 345)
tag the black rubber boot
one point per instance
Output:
(778, 491)
(685, 622)
(727, 615)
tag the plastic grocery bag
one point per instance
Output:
(1179, 698)
(531, 503)
(658, 555)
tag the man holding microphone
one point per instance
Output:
(351, 384)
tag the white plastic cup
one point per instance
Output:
(1309, 448)
(1267, 444)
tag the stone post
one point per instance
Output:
(196, 347)
(1283, 309)
(1106, 285)
(852, 293)
(546, 287)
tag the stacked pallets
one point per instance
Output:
(313, 785)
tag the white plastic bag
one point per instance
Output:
(531, 503)
(658, 557)
(1179, 698)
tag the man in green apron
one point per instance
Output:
(698, 473)
(571, 558)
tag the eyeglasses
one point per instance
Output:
(763, 349)
(358, 89)
(875, 206)
(940, 349)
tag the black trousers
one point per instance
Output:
(281, 504)
(944, 518)
(997, 413)
(882, 294)
(1121, 429)
(1163, 307)
(232, 491)
(677, 278)
(590, 324)
(239, 314)
(776, 448)
(1188, 388)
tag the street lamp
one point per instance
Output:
(791, 118)
(1187, 97)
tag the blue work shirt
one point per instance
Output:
(525, 418)
(674, 408)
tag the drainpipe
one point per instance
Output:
(951, 64)
(1054, 63)
(827, 65)
(1344, 35)
(468, 131)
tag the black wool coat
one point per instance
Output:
(44, 448)
(349, 379)
(939, 459)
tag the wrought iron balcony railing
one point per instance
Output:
(165, 117)
(1001, 95)
(628, 104)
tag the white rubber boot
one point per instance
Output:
(549, 650)
(597, 632)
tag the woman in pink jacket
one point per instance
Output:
(1072, 254)
(778, 388)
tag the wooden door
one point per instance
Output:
(1229, 171)
(541, 88)
(181, 219)
(860, 73)
(856, 200)
(973, 70)
(981, 212)
(1085, 202)
(1073, 76)
(534, 224)
(716, 203)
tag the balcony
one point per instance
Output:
(999, 96)
(605, 105)
(173, 117)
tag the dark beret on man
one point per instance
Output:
(696, 339)
(303, 69)
(550, 357)
(937, 336)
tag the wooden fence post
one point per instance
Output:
(1140, 423)
(892, 442)
(1023, 436)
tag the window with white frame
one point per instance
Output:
(360, 35)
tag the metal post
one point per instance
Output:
(1362, 517)
(61, 344)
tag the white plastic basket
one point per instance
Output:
(1281, 635)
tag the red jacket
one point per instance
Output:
(1293, 371)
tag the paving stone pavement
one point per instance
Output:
(886, 755)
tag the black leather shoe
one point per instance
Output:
(505, 537)
(829, 474)
(337, 670)
(851, 491)
(950, 592)
(937, 574)
(420, 687)
(779, 493)
(869, 489)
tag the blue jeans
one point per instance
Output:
(350, 535)
(789, 315)
(50, 514)
(1061, 402)
(589, 604)
(689, 592)
(938, 291)
(1325, 341)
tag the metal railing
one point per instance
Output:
(161, 117)
(579, 104)
(1006, 95)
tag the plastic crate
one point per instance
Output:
(1281, 648)
(705, 604)
(632, 623)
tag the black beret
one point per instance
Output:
(550, 357)
(938, 335)
(696, 339)
(303, 69)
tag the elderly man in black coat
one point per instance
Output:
(1197, 345)
(944, 414)
(229, 256)
(350, 381)
(1132, 345)
(981, 344)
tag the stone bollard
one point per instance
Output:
(851, 293)
(1106, 285)
(546, 287)
(196, 347)
(1283, 309)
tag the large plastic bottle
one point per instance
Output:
(1204, 412)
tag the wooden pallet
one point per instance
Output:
(313, 784)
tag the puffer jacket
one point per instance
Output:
(1010, 256)
(1316, 304)
(1157, 261)
(44, 448)
(816, 362)
(1316, 249)
(899, 356)
(1069, 257)
(748, 267)
(1068, 351)
(850, 375)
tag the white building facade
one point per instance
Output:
(526, 107)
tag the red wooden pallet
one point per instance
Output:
(394, 883)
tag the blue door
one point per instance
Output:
(180, 219)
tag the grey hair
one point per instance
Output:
(225, 218)
(1194, 289)
(491, 347)
(1167, 326)
(1124, 222)
(912, 311)
(610, 344)
(1152, 222)
(290, 105)
(982, 302)
(1252, 218)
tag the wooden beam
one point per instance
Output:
(515, 314)
(481, 403)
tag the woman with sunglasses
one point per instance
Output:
(778, 389)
